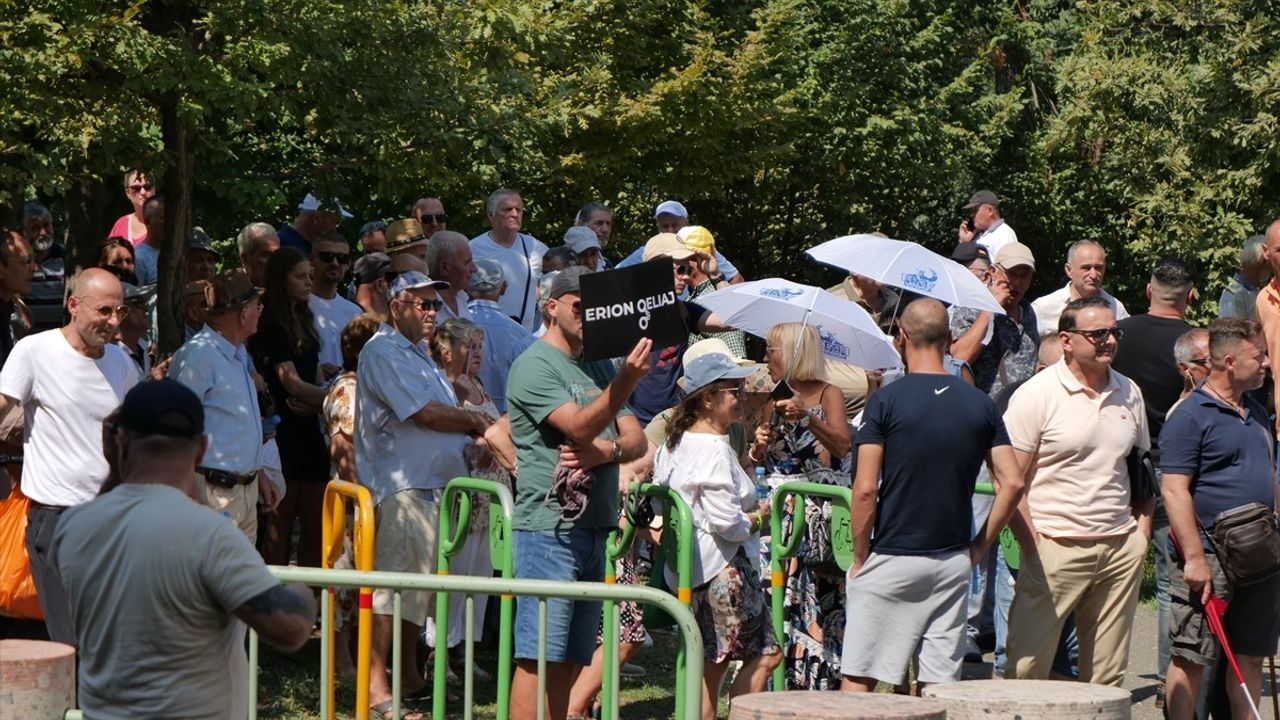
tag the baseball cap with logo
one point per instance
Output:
(412, 280)
(666, 245)
(1014, 254)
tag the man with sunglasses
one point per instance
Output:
(430, 212)
(1072, 428)
(67, 381)
(329, 263)
(410, 444)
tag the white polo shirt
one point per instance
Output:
(1080, 440)
(394, 380)
(521, 268)
(1049, 308)
(65, 397)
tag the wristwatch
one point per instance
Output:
(617, 452)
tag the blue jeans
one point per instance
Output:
(1160, 538)
(575, 555)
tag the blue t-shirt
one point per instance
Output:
(1228, 457)
(936, 431)
(289, 237)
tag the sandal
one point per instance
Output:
(383, 711)
(424, 693)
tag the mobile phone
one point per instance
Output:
(782, 391)
(968, 223)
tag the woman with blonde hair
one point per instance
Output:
(806, 438)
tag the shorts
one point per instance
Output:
(1252, 621)
(905, 606)
(575, 555)
(240, 503)
(407, 522)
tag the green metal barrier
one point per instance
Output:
(1008, 543)
(502, 557)
(677, 539)
(689, 684)
(781, 548)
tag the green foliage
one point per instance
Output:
(1148, 125)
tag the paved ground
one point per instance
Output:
(1141, 679)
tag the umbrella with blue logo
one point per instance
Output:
(909, 266)
(847, 331)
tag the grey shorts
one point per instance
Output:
(1252, 620)
(905, 606)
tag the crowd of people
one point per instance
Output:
(406, 354)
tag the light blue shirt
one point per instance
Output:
(147, 264)
(504, 340)
(726, 268)
(394, 380)
(217, 372)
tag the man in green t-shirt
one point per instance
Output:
(560, 419)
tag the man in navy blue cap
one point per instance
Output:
(179, 572)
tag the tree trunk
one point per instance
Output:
(86, 201)
(179, 178)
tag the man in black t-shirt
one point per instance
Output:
(923, 436)
(1146, 357)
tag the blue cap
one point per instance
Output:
(710, 368)
(412, 280)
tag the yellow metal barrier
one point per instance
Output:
(336, 495)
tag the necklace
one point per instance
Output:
(1239, 408)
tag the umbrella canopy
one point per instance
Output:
(848, 333)
(909, 266)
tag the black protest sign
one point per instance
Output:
(621, 306)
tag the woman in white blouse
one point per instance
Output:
(729, 602)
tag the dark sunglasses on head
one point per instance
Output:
(440, 219)
(328, 257)
(1097, 336)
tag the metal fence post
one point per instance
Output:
(333, 526)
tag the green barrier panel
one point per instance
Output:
(677, 541)
(781, 548)
(457, 498)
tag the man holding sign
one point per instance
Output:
(570, 437)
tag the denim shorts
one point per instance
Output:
(575, 555)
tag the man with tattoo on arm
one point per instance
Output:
(158, 581)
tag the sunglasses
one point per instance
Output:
(577, 307)
(141, 187)
(685, 270)
(1099, 335)
(328, 257)
(107, 311)
(440, 219)
(425, 305)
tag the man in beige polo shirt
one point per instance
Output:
(1072, 428)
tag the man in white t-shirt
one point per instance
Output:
(330, 258)
(984, 224)
(67, 380)
(519, 253)
(449, 259)
(1086, 268)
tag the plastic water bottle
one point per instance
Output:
(762, 487)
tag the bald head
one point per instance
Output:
(96, 281)
(925, 324)
(1050, 351)
(1272, 248)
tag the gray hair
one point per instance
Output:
(445, 241)
(1251, 251)
(1184, 348)
(588, 210)
(495, 197)
(1071, 251)
(35, 211)
(250, 234)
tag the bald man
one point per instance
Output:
(1086, 268)
(67, 380)
(923, 436)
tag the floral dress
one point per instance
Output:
(813, 604)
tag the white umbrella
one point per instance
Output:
(909, 266)
(848, 333)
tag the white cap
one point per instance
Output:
(670, 207)
(312, 203)
(580, 239)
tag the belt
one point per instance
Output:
(225, 479)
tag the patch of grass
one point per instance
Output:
(289, 686)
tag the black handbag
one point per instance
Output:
(1247, 543)
(1143, 481)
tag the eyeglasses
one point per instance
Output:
(439, 219)
(107, 311)
(424, 305)
(685, 270)
(577, 307)
(739, 390)
(328, 257)
(141, 187)
(1099, 335)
